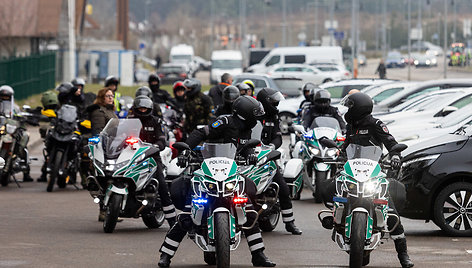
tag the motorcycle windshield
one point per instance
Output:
(325, 121)
(354, 151)
(67, 113)
(211, 150)
(115, 133)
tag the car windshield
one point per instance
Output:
(355, 151)
(181, 58)
(115, 133)
(226, 64)
(210, 150)
(289, 87)
(385, 94)
(456, 117)
(171, 69)
(410, 104)
(327, 68)
(325, 121)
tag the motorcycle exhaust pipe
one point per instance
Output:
(144, 203)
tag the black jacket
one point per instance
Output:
(225, 129)
(161, 96)
(312, 113)
(271, 131)
(152, 131)
(216, 93)
(369, 131)
(224, 109)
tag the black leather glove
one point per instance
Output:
(395, 162)
(182, 159)
(252, 159)
(185, 222)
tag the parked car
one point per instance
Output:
(438, 181)
(171, 72)
(141, 75)
(423, 60)
(394, 60)
(338, 70)
(203, 65)
(380, 92)
(288, 112)
(305, 72)
(260, 81)
(339, 89)
(419, 88)
(289, 86)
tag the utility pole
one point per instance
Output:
(331, 21)
(419, 25)
(354, 38)
(212, 25)
(445, 38)
(384, 29)
(69, 74)
(454, 6)
(284, 22)
(315, 38)
(409, 40)
(377, 11)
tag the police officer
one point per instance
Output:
(158, 95)
(321, 107)
(236, 129)
(198, 106)
(112, 82)
(363, 129)
(152, 132)
(271, 135)
(230, 94)
(145, 91)
(216, 92)
(309, 89)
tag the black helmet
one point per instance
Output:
(359, 104)
(78, 82)
(142, 102)
(65, 88)
(270, 99)
(309, 90)
(193, 86)
(243, 88)
(322, 100)
(249, 110)
(154, 77)
(230, 94)
(144, 91)
(111, 80)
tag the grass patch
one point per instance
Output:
(35, 100)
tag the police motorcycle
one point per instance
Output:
(62, 148)
(320, 162)
(123, 178)
(218, 199)
(360, 210)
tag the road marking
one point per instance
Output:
(455, 240)
(124, 254)
(468, 251)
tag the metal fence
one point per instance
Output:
(28, 75)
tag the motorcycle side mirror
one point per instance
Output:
(249, 144)
(26, 107)
(398, 148)
(273, 155)
(181, 146)
(328, 143)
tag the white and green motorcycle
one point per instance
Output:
(360, 209)
(123, 180)
(218, 201)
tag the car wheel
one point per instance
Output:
(327, 80)
(453, 209)
(285, 120)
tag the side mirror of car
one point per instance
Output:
(447, 110)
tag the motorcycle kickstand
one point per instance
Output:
(16, 181)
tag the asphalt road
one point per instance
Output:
(60, 229)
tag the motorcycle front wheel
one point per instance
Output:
(357, 241)
(112, 212)
(154, 220)
(320, 177)
(55, 171)
(222, 237)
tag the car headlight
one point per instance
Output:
(423, 161)
(416, 62)
(315, 151)
(428, 62)
(331, 152)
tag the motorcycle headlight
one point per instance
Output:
(211, 187)
(331, 152)
(351, 187)
(371, 187)
(315, 151)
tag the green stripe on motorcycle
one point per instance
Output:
(233, 170)
(347, 169)
(232, 229)
(211, 228)
(376, 171)
(347, 228)
(370, 223)
(206, 170)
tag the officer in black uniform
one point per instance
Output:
(321, 106)
(145, 91)
(159, 95)
(309, 89)
(230, 94)
(271, 135)
(363, 129)
(235, 128)
(151, 132)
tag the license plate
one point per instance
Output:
(172, 76)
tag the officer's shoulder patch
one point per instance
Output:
(217, 123)
(384, 128)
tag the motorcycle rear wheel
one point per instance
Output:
(154, 220)
(55, 171)
(357, 242)
(4, 176)
(112, 212)
(269, 223)
(222, 243)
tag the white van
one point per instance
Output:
(308, 55)
(182, 53)
(225, 61)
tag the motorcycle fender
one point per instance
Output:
(296, 149)
(116, 190)
(211, 223)
(197, 213)
(322, 166)
(347, 227)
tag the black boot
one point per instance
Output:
(259, 259)
(164, 261)
(27, 177)
(400, 246)
(43, 178)
(292, 228)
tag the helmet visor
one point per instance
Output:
(259, 111)
(346, 101)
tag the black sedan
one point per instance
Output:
(171, 72)
(437, 175)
